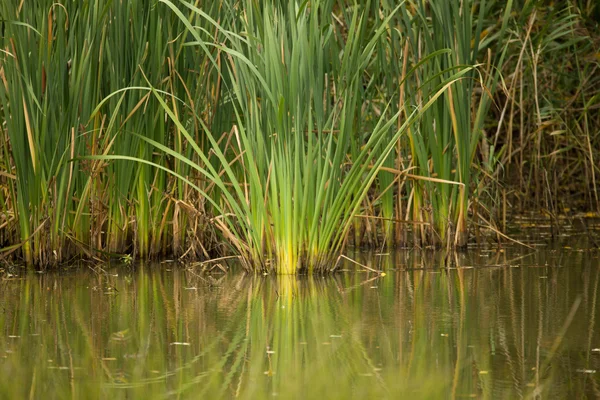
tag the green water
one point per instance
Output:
(510, 324)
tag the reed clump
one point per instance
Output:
(283, 133)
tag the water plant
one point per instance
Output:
(443, 147)
(58, 62)
(46, 92)
(284, 132)
(294, 191)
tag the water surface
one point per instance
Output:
(511, 323)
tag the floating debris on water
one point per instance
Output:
(120, 335)
(587, 371)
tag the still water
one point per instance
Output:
(501, 324)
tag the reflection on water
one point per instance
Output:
(510, 324)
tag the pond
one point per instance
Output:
(508, 323)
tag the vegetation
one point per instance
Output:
(285, 132)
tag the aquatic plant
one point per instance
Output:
(285, 132)
(293, 191)
(443, 147)
(58, 62)
(544, 122)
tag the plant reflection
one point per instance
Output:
(488, 325)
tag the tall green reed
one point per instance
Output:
(58, 62)
(268, 124)
(296, 83)
(47, 94)
(443, 146)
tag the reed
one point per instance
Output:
(46, 94)
(294, 191)
(444, 145)
(283, 133)
(58, 63)
(551, 155)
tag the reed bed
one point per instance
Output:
(284, 133)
